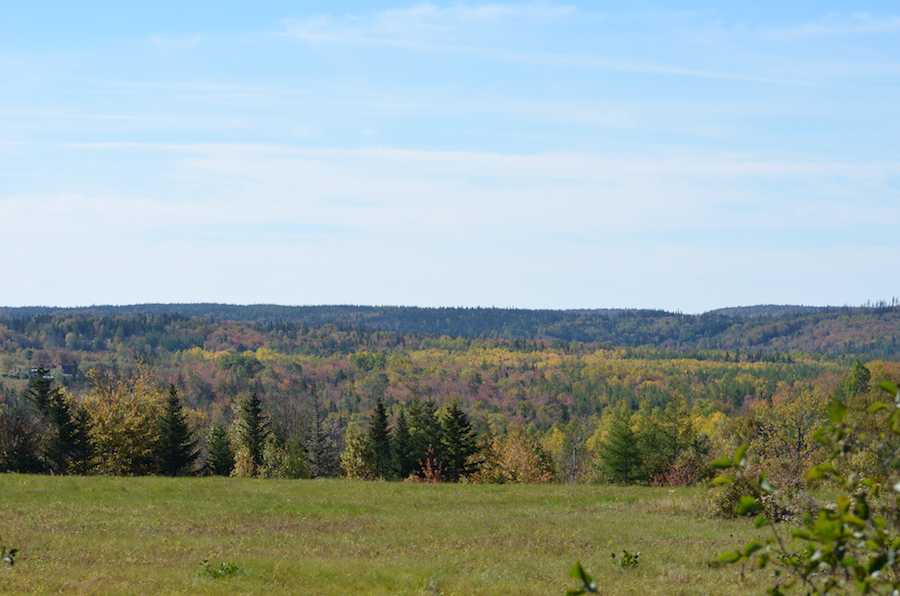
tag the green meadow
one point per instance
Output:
(105, 535)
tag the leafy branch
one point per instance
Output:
(851, 544)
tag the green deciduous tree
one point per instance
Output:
(358, 457)
(848, 547)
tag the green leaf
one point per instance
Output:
(722, 463)
(739, 454)
(747, 505)
(894, 421)
(836, 412)
(889, 387)
(578, 573)
(877, 563)
(723, 480)
(729, 557)
(877, 406)
(853, 520)
(820, 471)
(762, 520)
(751, 548)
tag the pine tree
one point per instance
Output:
(425, 431)
(380, 440)
(61, 443)
(621, 457)
(40, 390)
(401, 448)
(82, 447)
(457, 441)
(221, 455)
(858, 380)
(253, 431)
(176, 450)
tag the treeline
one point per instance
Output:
(133, 424)
(532, 383)
(868, 331)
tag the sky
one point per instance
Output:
(677, 156)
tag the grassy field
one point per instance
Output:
(100, 535)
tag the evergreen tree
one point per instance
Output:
(82, 447)
(401, 447)
(40, 390)
(221, 455)
(380, 440)
(620, 455)
(176, 450)
(64, 433)
(858, 380)
(425, 431)
(20, 449)
(457, 441)
(253, 431)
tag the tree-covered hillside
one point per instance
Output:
(870, 331)
(316, 389)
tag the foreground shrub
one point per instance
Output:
(850, 546)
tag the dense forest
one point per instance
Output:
(867, 331)
(283, 393)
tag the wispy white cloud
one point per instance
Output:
(417, 16)
(430, 28)
(437, 192)
(839, 24)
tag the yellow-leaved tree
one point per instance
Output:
(785, 444)
(516, 458)
(124, 410)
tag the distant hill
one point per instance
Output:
(760, 310)
(870, 331)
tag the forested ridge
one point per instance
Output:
(348, 397)
(868, 331)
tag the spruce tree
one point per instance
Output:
(424, 430)
(457, 441)
(82, 448)
(61, 443)
(858, 380)
(620, 455)
(221, 455)
(401, 448)
(253, 430)
(380, 440)
(40, 390)
(176, 450)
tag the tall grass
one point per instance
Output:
(101, 535)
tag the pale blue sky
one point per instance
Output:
(620, 154)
